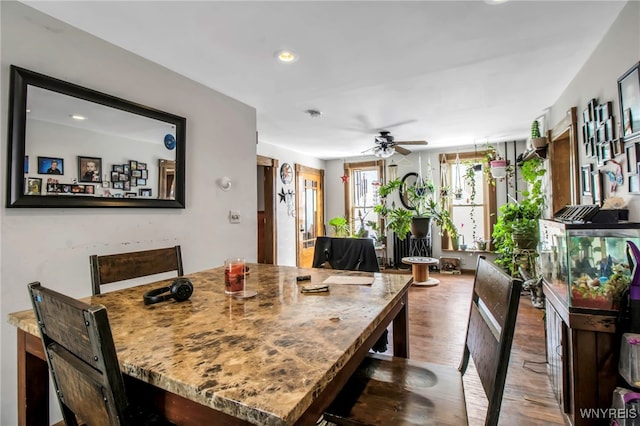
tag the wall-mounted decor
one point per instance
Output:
(50, 166)
(286, 173)
(34, 186)
(130, 126)
(631, 151)
(408, 180)
(585, 178)
(89, 169)
(598, 132)
(596, 180)
(629, 95)
(634, 181)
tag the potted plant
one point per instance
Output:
(420, 196)
(481, 244)
(517, 223)
(378, 234)
(499, 168)
(362, 231)
(537, 141)
(340, 226)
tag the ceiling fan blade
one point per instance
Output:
(401, 150)
(399, 123)
(368, 150)
(411, 143)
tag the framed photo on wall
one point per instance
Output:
(34, 186)
(89, 169)
(50, 166)
(629, 95)
(596, 179)
(585, 178)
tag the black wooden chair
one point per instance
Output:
(125, 266)
(395, 391)
(83, 362)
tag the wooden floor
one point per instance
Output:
(437, 326)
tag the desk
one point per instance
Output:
(277, 359)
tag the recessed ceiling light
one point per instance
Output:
(28, 110)
(78, 117)
(286, 56)
(495, 1)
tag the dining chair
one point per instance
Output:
(388, 390)
(124, 266)
(83, 363)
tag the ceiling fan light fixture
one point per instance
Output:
(383, 152)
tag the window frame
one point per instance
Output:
(489, 190)
(349, 169)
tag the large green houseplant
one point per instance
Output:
(517, 224)
(421, 197)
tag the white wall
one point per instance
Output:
(53, 245)
(618, 51)
(286, 224)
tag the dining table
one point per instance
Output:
(278, 358)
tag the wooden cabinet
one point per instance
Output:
(582, 357)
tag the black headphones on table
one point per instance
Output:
(181, 289)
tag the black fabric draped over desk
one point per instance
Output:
(353, 254)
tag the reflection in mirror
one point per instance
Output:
(89, 149)
(167, 178)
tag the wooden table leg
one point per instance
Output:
(401, 330)
(33, 381)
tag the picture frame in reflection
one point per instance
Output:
(89, 169)
(50, 166)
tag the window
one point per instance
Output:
(471, 198)
(361, 195)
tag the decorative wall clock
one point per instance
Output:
(286, 173)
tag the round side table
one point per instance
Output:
(420, 269)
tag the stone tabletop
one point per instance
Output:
(261, 359)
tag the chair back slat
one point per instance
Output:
(493, 287)
(492, 322)
(125, 266)
(81, 387)
(484, 348)
(82, 358)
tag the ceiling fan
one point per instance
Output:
(386, 145)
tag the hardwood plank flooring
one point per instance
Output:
(437, 326)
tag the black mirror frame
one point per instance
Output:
(19, 80)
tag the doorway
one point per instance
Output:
(309, 212)
(563, 156)
(267, 235)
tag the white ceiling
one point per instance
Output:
(450, 72)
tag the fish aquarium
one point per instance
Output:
(587, 265)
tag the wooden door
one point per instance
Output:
(309, 212)
(563, 160)
(267, 230)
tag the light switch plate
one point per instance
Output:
(234, 216)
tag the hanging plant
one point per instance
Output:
(470, 180)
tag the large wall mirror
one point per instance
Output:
(70, 146)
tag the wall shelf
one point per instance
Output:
(532, 152)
